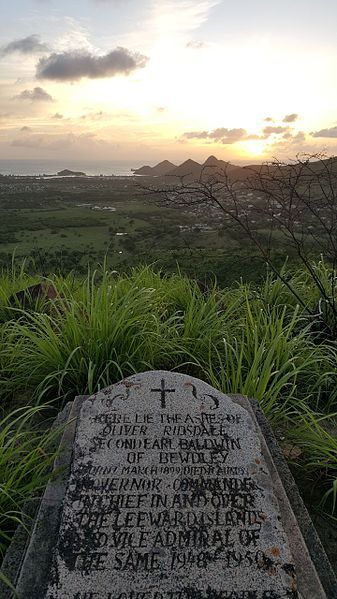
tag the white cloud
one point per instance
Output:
(181, 15)
(75, 37)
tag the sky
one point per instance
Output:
(154, 79)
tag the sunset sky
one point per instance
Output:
(155, 79)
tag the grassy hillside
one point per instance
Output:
(251, 340)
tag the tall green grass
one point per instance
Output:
(107, 328)
(26, 455)
(268, 352)
(316, 437)
(253, 341)
(242, 340)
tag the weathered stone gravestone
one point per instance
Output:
(173, 493)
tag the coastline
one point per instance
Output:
(50, 168)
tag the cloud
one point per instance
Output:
(71, 66)
(274, 130)
(294, 138)
(26, 45)
(231, 136)
(57, 115)
(58, 142)
(290, 118)
(331, 132)
(34, 95)
(196, 135)
(94, 116)
(228, 136)
(181, 16)
(195, 45)
(253, 136)
(220, 135)
(299, 137)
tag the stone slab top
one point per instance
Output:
(170, 497)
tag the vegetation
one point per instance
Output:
(251, 340)
(26, 457)
(64, 225)
(289, 205)
(272, 336)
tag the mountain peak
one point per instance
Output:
(156, 171)
(211, 160)
(187, 169)
(163, 168)
(191, 162)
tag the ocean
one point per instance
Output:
(90, 167)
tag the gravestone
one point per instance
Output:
(173, 493)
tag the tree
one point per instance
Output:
(293, 203)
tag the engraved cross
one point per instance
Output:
(163, 392)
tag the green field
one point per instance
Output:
(53, 227)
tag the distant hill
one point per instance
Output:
(144, 170)
(189, 168)
(160, 170)
(212, 167)
(213, 162)
(164, 167)
(67, 173)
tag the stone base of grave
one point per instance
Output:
(29, 559)
(29, 555)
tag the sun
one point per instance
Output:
(254, 147)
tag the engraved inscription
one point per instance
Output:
(170, 503)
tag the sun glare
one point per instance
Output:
(254, 147)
